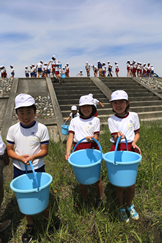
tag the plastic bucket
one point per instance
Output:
(65, 129)
(86, 164)
(63, 75)
(122, 166)
(32, 191)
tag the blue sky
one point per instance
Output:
(79, 31)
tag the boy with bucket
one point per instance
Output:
(124, 124)
(30, 139)
(85, 125)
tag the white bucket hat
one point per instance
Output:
(119, 95)
(74, 108)
(86, 100)
(24, 100)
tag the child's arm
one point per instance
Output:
(25, 158)
(68, 118)
(89, 138)
(68, 145)
(136, 138)
(101, 104)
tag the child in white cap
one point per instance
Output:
(85, 125)
(26, 72)
(124, 124)
(95, 101)
(12, 71)
(67, 70)
(116, 69)
(4, 161)
(80, 73)
(73, 113)
(27, 140)
(88, 68)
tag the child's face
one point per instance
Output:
(86, 110)
(119, 106)
(26, 115)
(74, 112)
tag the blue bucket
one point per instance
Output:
(122, 166)
(65, 129)
(63, 75)
(32, 191)
(86, 164)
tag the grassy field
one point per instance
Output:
(71, 222)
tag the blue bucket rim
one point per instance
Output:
(122, 163)
(84, 166)
(65, 126)
(31, 190)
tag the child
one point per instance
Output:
(104, 69)
(124, 124)
(12, 71)
(88, 68)
(73, 113)
(116, 69)
(128, 68)
(57, 73)
(39, 69)
(30, 139)
(95, 101)
(4, 160)
(67, 70)
(85, 125)
(80, 73)
(26, 72)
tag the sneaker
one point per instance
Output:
(132, 212)
(27, 236)
(123, 215)
(4, 225)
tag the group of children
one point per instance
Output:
(101, 69)
(137, 69)
(84, 123)
(4, 72)
(51, 69)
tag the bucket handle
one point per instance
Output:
(33, 173)
(93, 140)
(65, 122)
(116, 146)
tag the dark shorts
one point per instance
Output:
(39, 70)
(27, 74)
(18, 172)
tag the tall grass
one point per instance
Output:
(71, 222)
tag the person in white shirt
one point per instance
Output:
(124, 124)
(12, 71)
(80, 73)
(116, 69)
(73, 113)
(85, 125)
(152, 70)
(88, 68)
(67, 70)
(26, 72)
(39, 69)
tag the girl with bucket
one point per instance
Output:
(86, 125)
(30, 140)
(124, 124)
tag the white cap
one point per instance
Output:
(119, 95)
(45, 63)
(26, 66)
(86, 100)
(1, 66)
(24, 100)
(74, 108)
(67, 63)
(98, 61)
(81, 71)
(11, 65)
(116, 62)
(86, 61)
(108, 61)
(91, 95)
(54, 56)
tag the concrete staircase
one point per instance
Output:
(144, 101)
(69, 92)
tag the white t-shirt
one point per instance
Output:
(82, 128)
(71, 115)
(128, 125)
(28, 140)
(87, 66)
(2, 146)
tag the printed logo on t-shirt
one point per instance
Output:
(89, 128)
(130, 126)
(33, 141)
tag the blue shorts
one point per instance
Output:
(103, 72)
(13, 74)
(27, 74)
(48, 71)
(39, 70)
(152, 72)
(109, 69)
(18, 172)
